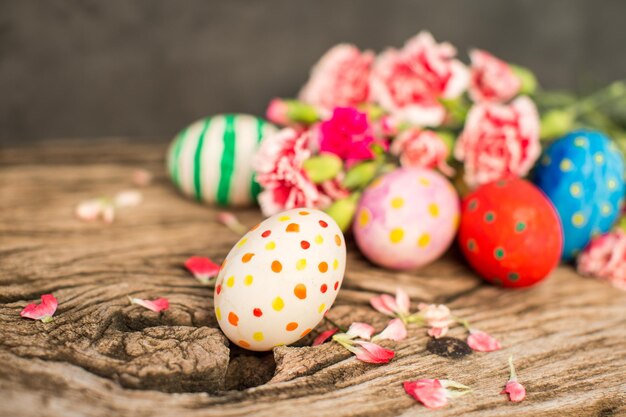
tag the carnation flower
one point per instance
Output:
(605, 258)
(491, 79)
(437, 317)
(279, 167)
(340, 78)
(347, 134)
(409, 83)
(499, 141)
(422, 149)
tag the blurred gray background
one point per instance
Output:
(146, 68)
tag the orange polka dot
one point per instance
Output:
(244, 344)
(266, 233)
(304, 333)
(323, 224)
(303, 213)
(246, 257)
(337, 240)
(256, 226)
(293, 227)
(291, 326)
(277, 266)
(300, 291)
(323, 267)
(323, 288)
(233, 319)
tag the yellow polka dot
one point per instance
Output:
(433, 209)
(578, 219)
(397, 202)
(580, 141)
(424, 240)
(575, 189)
(247, 280)
(424, 181)
(335, 264)
(230, 281)
(546, 160)
(599, 158)
(396, 235)
(242, 242)
(565, 165)
(218, 313)
(612, 184)
(364, 217)
(283, 218)
(606, 209)
(321, 308)
(258, 336)
(270, 246)
(301, 264)
(319, 239)
(278, 304)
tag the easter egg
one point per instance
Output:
(510, 233)
(406, 218)
(211, 160)
(583, 175)
(279, 280)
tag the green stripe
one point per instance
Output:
(255, 187)
(178, 145)
(197, 161)
(227, 163)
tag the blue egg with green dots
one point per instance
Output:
(211, 159)
(583, 175)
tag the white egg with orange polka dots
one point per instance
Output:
(279, 280)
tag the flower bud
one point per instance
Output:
(556, 123)
(342, 211)
(323, 167)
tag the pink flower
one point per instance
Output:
(434, 393)
(158, 305)
(422, 149)
(437, 317)
(324, 336)
(43, 311)
(395, 330)
(482, 342)
(394, 307)
(347, 134)
(371, 352)
(491, 79)
(340, 78)
(231, 221)
(278, 112)
(409, 83)
(605, 258)
(203, 269)
(499, 141)
(279, 167)
(516, 391)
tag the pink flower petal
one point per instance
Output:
(202, 268)
(437, 332)
(482, 342)
(362, 330)
(516, 391)
(141, 177)
(160, 304)
(380, 306)
(371, 352)
(43, 311)
(324, 336)
(395, 330)
(429, 392)
(89, 210)
(231, 221)
(128, 198)
(403, 303)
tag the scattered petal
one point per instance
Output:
(203, 269)
(142, 177)
(362, 330)
(108, 213)
(324, 336)
(516, 391)
(437, 332)
(43, 311)
(160, 304)
(229, 220)
(89, 210)
(371, 352)
(380, 306)
(128, 198)
(403, 302)
(483, 342)
(395, 330)
(429, 392)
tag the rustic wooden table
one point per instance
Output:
(102, 357)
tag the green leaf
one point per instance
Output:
(342, 211)
(323, 167)
(360, 175)
(298, 111)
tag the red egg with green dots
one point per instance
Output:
(510, 233)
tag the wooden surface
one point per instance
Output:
(102, 357)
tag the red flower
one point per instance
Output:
(347, 134)
(422, 149)
(491, 79)
(43, 311)
(605, 258)
(482, 342)
(340, 78)
(499, 141)
(279, 167)
(434, 393)
(160, 304)
(371, 352)
(409, 83)
(203, 269)
(516, 391)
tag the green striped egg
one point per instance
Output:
(211, 159)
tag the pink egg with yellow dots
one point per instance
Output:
(407, 218)
(279, 280)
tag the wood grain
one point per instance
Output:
(103, 357)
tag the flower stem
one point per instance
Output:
(512, 367)
(341, 328)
